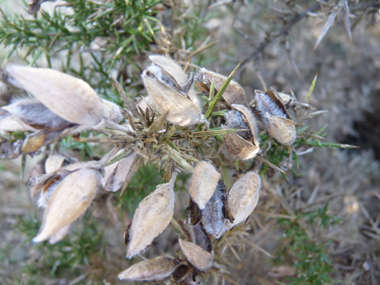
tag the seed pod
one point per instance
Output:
(49, 186)
(234, 93)
(275, 117)
(54, 162)
(193, 213)
(243, 197)
(213, 213)
(169, 97)
(184, 273)
(33, 142)
(37, 170)
(241, 145)
(59, 235)
(175, 71)
(197, 256)
(203, 183)
(12, 123)
(69, 201)
(68, 97)
(151, 218)
(36, 115)
(117, 173)
(200, 237)
(112, 111)
(10, 149)
(149, 270)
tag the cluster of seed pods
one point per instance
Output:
(67, 188)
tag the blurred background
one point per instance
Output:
(275, 41)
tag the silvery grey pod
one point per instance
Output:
(11, 123)
(275, 117)
(242, 145)
(197, 256)
(170, 97)
(243, 197)
(69, 201)
(116, 174)
(203, 183)
(234, 93)
(149, 270)
(151, 218)
(68, 97)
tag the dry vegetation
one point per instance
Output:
(323, 217)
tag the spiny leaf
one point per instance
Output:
(327, 25)
(311, 89)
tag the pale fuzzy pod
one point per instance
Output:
(243, 197)
(112, 111)
(181, 110)
(197, 256)
(203, 183)
(69, 97)
(281, 129)
(69, 201)
(117, 173)
(151, 218)
(54, 162)
(234, 93)
(149, 270)
(12, 123)
(236, 145)
(36, 115)
(59, 235)
(176, 71)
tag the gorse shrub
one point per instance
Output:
(132, 112)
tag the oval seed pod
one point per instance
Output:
(151, 218)
(275, 117)
(197, 256)
(243, 197)
(69, 201)
(149, 270)
(54, 162)
(117, 173)
(234, 93)
(203, 183)
(175, 70)
(166, 96)
(241, 145)
(112, 111)
(68, 97)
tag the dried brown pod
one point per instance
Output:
(54, 162)
(151, 218)
(168, 96)
(203, 183)
(234, 93)
(33, 142)
(241, 145)
(68, 97)
(69, 201)
(213, 213)
(197, 256)
(149, 270)
(193, 213)
(243, 197)
(115, 174)
(275, 117)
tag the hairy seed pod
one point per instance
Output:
(243, 197)
(234, 93)
(49, 186)
(36, 115)
(175, 70)
(149, 270)
(117, 173)
(241, 145)
(12, 123)
(213, 213)
(200, 237)
(54, 162)
(169, 97)
(112, 111)
(275, 117)
(68, 97)
(197, 256)
(59, 235)
(69, 201)
(203, 183)
(151, 218)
